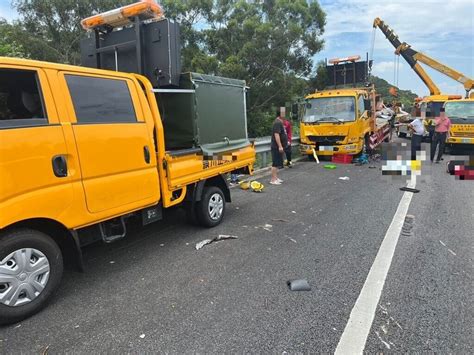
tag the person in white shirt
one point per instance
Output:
(418, 129)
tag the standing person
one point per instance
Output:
(279, 141)
(418, 130)
(287, 125)
(441, 133)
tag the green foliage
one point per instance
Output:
(406, 97)
(51, 30)
(9, 46)
(320, 80)
(269, 44)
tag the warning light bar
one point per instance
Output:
(346, 59)
(147, 9)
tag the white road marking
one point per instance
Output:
(442, 243)
(357, 329)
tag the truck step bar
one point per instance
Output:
(113, 230)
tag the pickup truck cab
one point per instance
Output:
(81, 151)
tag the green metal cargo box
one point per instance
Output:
(206, 111)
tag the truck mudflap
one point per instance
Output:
(385, 133)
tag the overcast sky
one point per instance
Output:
(442, 29)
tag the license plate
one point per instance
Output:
(326, 148)
(466, 140)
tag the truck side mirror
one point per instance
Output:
(368, 104)
(294, 111)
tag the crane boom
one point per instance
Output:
(413, 57)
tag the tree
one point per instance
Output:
(270, 44)
(320, 80)
(9, 46)
(51, 29)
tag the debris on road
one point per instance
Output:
(293, 211)
(111, 262)
(409, 189)
(216, 239)
(345, 178)
(408, 225)
(444, 245)
(142, 336)
(298, 285)
(45, 350)
(330, 166)
(294, 241)
(268, 227)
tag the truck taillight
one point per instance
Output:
(120, 16)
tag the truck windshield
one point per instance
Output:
(464, 110)
(330, 109)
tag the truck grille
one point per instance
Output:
(326, 139)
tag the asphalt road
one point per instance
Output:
(154, 292)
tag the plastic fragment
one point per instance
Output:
(216, 239)
(299, 285)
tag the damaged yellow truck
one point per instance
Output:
(82, 151)
(341, 121)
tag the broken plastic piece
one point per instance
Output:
(330, 166)
(216, 239)
(299, 285)
(345, 178)
(409, 189)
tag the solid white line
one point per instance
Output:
(357, 329)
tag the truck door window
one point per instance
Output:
(21, 102)
(360, 106)
(100, 100)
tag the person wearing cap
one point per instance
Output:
(441, 132)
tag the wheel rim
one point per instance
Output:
(23, 276)
(216, 206)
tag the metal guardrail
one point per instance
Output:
(263, 147)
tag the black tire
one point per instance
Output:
(26, 238)
(202, 208)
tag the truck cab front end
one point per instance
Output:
(334, 122)
(461, 114)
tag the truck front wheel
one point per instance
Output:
(31, 267)
(210, 210)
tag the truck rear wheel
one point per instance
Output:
(31, 267)
(210, 210)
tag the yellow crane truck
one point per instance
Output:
(82, 151)
(431, 104)
(342, 121)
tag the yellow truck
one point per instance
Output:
(342, 121)
(83, 150)
(461, 114)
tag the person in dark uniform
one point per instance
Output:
(279, 142)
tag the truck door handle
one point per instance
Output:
(146, 153)
(59, 165)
